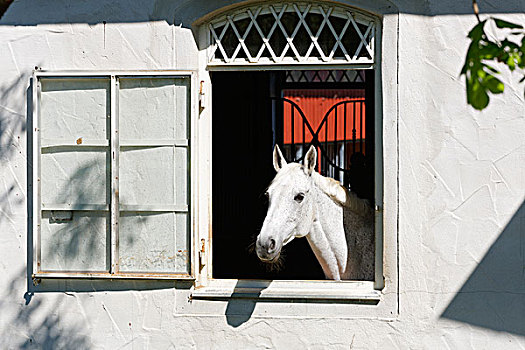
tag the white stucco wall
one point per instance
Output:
(457, 280)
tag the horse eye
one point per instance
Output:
(299, 197)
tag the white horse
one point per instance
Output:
(337, 224)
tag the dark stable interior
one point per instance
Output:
(244, 133)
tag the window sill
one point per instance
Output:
(352, 291)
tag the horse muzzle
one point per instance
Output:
(267, 249)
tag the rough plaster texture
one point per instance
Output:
(461, 209)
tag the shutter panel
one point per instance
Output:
(74, 174)
(154, 157)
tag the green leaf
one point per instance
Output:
(504, 24)
(477, 32)
(479, 99)
(489, 51)
(495, 85)
(480, 77)
(511, 63)
(481, 74)
(477, 95)
(512, 46)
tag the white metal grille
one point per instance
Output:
(325, 76)
(291, 33)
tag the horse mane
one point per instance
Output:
(341, 195)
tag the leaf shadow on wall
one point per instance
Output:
(12, 128)
(493, 296)
(41, 329)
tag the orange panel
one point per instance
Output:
(315, 104)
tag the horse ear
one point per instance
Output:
(278, 159)
(310, 160)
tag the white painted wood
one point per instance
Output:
(288, 290)
(185, 108)
(114, 155)
(35, 163)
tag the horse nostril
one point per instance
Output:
(271, 246)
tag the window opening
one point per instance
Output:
(332, 109)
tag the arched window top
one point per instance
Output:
(292, 33)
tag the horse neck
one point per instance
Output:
(327, 237)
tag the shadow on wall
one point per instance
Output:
(32, 326)
(494, 295)
(12, 127)
(185, 12)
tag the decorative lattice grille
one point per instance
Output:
(291, 33)
(325, 76)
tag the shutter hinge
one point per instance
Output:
(202, 253)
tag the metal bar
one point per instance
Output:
(154, 208)
(292, 147)
(304, 144)
(326, 145)
(98, 275)
(338, 41)
(285, 33)
(97, 74)
(353, 128)
(218, 41)
(326, 85)
(75, 206)
(266, 40)
(212, 47)
(319, 30)
(81, 142)
(290, 38)
(361, 127)
(336, 153)
(240, 39)
(115, 155)
(345, 143)
(364, 63)
(363, 40)
(154, 143)
(314, 133)
(36, 172)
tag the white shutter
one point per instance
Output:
(112, 175)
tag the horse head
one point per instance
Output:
(291, 207)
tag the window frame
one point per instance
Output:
(113, 146)
(356, 291)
